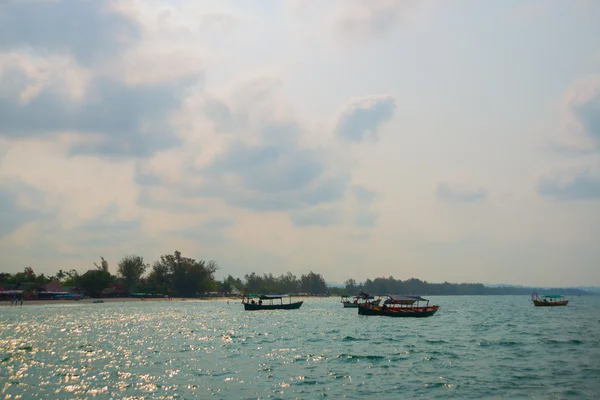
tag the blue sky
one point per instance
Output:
(448, 141)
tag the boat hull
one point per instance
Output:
(539, 303)
(287, 306)
(399, 312)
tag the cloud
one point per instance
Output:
(319, 217)
(113, 119)
(23, 75)
(213, 231)
(376, 18)
(579, 143)
(254, 154)
(363, 116)
(580, 130)
(91, 71)
(18, 206)
(363, 194)
(585, 106)
(363, 198)
(577, 185)
(451, 193)
(88, 30)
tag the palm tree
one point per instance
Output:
(60, 275)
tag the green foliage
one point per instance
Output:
(182, 276)
(60, 275)
(72, 278)
(176, 275)
(94, 281)
(313, 283)
(351, 287)
(103, 265)
(130, 269)
(230, 284)
(286, 283)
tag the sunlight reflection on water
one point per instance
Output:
(474, 347)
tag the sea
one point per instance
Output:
(475, 347)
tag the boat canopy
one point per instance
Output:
(552, 296)
(396, 299)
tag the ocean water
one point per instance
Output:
(474, 347)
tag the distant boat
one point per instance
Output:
(553, 300)
(266, 302)
(361, 298)
(400, 306)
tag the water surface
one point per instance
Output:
(474, 347)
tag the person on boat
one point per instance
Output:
(260, 302)
(252, 302)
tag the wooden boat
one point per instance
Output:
(400, 306)
(361, 298)
(266, 302)
(554, 300)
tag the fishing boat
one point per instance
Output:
(400, 306)
(361, 298)
(552, 300)
(267, 302)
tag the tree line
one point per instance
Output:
(180, 276)
(173, 274)
(390, 285)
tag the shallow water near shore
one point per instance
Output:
(474, 347)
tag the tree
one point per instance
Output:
(231, 284)
(159, 279)
(72, 278)
(187, 277)
(313, 283)
(60, 275)
(94, 281)
(103, 265)
(6, 277)
(253, 283)
(351, 287)
(131, 268)
(288, 283)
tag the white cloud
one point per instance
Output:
(376, 18)
(211, 126)
(37, 72)
(363, 116)
(578, 141)
(453, 193)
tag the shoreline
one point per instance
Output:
(107, 300)
(46, 302)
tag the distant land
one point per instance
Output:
(430, 288)
(587, 289)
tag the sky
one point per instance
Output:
(449, 141)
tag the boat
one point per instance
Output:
(267, 302)
(361, 298)
(400, 306)
(552, 300)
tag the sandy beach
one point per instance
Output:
(108, 300)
